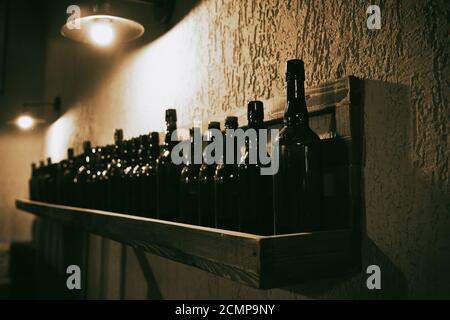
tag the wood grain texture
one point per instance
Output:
(257, 261)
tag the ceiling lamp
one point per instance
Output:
(108, 23)
(27, 119)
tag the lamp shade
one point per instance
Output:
(103, 30)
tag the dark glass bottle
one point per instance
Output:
(255, 189)
(81, 176)
(298, 183)
(226, 184)
(65, 177)
(33, 182)
(130, 198)
(206, 203)
(40, 193)
(148, 175)
(105, 154)
(115, 170)
(135, 177)
(91, 198)
(189, 182)
(168, 174)
(50, 182)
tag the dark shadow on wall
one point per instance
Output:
(387, 176)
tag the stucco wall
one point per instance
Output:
(224, 53)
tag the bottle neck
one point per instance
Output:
(296, 113)
(170, 128)
(227, 137)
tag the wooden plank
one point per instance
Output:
(257, 261)
(297, 258)
(228, 254)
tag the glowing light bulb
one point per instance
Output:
(102, 33)
(25, 122)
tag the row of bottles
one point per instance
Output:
(138, 176)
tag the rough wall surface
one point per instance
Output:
(226, 52)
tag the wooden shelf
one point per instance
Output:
(258, 261)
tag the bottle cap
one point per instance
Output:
(255, 111)
(231, 122)
(49, 160)
(171, 115)
(296, 68)
(87, 146)
(118, 135)
(214, 125)
(154, 137)
(70, 153)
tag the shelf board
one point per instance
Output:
(258, 261)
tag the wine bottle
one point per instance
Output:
(135, 176)
(32, 183)
(148, 175)
(189, 182)
(206, 184)
(50, 181)
(114, 174)
(168, 173)
(298, 183)
(255, 189)
(81, 177)
(40, 193)
(65, 177)
(226, 183)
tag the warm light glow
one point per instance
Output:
(25, 122)
(103, 30)
(102, 33)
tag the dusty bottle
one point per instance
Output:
(148, 175)
(189, 180)
(298, 183)
(226, 182)
(168, 173)
(255, 189)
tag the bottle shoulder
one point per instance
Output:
(297, 135)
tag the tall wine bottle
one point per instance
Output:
(226, 183)
(206, 184)
(168, 173)
(298, 183)
(33, 182)
(189, 183)
(148, 175)
(115, 169)
(255, 189)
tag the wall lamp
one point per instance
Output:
(27, 119)
(107, 22)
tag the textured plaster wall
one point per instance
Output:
(226, 52)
